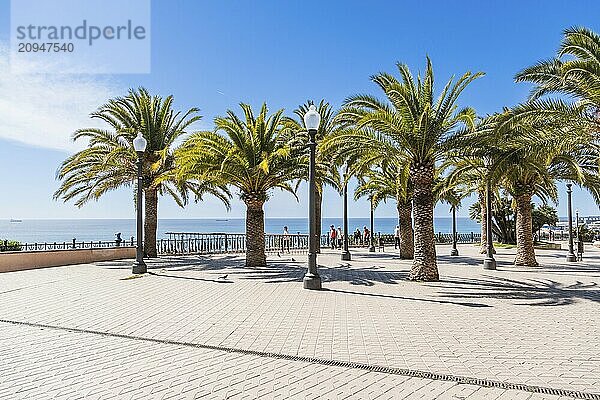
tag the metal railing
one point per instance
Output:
(217, 243)
(6, 246)
(388, 239)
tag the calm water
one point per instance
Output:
(60, 230)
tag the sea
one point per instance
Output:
(64, 230)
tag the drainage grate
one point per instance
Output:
(336, 363)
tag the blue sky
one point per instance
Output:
(215, 54)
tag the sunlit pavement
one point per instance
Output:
(187, 331)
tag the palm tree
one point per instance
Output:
(390, 180)
(528, 173)
(503, 223)
(575, 71)
(327, 171)
(539, 153)
(473, 166)
(252, 154)
(420, 128)
(473, 173)
(109, 162)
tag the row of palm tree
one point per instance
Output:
(109, 161)
(412, 146)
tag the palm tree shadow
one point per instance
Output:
(387, 296)
(536, 292)
(179, 263)
(287, 271)
(280, 270)
(464, 260)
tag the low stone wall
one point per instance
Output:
(21, 260)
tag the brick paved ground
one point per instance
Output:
(521, 326)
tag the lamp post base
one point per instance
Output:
(571, 257)
(454, 252)
(489, 263)
(346, 256)
(139, 267)
(312, 281)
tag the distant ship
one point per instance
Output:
(14, 221)
(221, 220)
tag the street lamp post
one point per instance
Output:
(139, 266)
(577, 225)
(489, 262)
(371, 236)
(312, 280)
(345, 252)
(571, 257)
(454, 251)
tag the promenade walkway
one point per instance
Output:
(184, 331)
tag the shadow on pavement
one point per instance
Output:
(190, 278)
(282, 272)
(539, 292)
(287, 269)
(388, 296)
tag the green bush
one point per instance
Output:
(10, 245)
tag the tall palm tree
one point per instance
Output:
(473, 166)
(390, 180)
(536, 154)
(327, 170)
(420, 128)
(535, 171)
(574, 72)
(252, 154)
(109, 162)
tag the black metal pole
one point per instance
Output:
(489, 262)
(312, 280)
(372, 235)
(139, 266)
(345, 252)
(577, 225)
(454, 251)
(571, 255)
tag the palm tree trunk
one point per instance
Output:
(150, 221)
(525, 251)
(406, 230)
(255, 234)
(424, 267)
(319, 201)
(483, 209)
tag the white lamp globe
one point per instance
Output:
(139, 143)
(312, 118)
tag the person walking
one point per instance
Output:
(340, 236)
(332, 237)
(397, 237)
(366, 236)
(357, 237)
(286, 239)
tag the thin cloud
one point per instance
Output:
(44, 110)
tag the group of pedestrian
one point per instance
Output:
(335, 237)
(362, 238)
